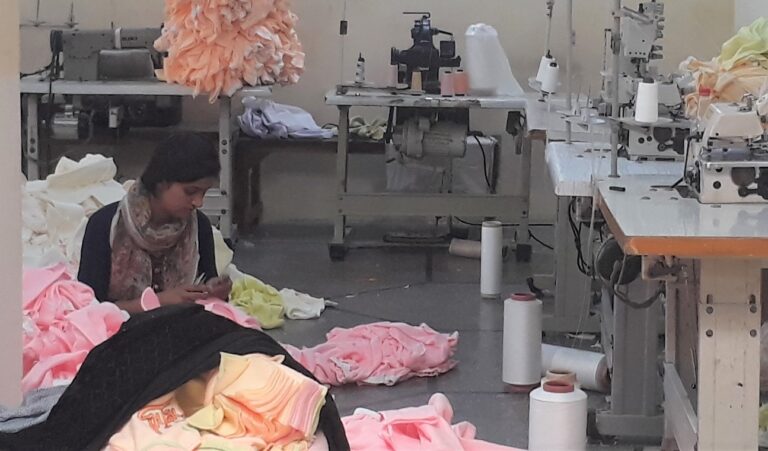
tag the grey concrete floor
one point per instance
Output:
(413, 286)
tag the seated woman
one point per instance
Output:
(156, 236)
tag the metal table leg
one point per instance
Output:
(225, 159)
(32, 145)
(337, 248)
(523, 247)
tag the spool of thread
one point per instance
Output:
(550, 78)
(491, 259)
(521, 355)
(647, 102)
(392, 76)
(590, 368)
(416, 81)
(470, 249)
(360, 69)
(460, 83)
(557, 418)
(543, 65)
(563, 376)
(446, 84)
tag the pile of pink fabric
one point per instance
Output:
(379, 353)
(425, 428)
(215, 46)
(62, 323)
(150, 301)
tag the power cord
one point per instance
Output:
(616, 275)
(485, 164)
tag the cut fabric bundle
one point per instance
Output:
(216, 47)
(250, 402)
(55, 210)
(425, 428)
(62, 323)
(264, 118)
(379, 354)
(150, 301)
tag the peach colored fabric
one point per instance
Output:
(62, 323)
(726, 85)
(218, 46)
(378, 353)
(425, 428)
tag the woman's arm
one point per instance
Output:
(207, 263)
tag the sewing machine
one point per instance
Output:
(640, 32)
(424, 56)
(117, 55)
(728, 160)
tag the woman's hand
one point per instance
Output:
(219, 287)
(181, 295)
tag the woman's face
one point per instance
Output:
(179, 200)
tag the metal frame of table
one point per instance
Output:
(713, 306)
(574, 169)
(427, 204)
(218, 202)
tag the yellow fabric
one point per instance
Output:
(725, 85)
(750, 43)
(259, 300)
(257, 396)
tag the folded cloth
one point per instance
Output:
(34, 410)
(425, 428)
(379, 353)
(259, 300)
(263, 118)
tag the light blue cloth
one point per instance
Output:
(34, 410)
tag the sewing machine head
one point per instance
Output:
(119, 54)
(728, 160)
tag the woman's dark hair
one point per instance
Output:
(181, 158)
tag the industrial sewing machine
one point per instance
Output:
(640, 32)
(728, 159)
(423, 56)
(111, 56)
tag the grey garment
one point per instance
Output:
(35, 409)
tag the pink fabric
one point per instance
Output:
(378, 353)
(62, 323)
(217, 46)
(150, 301)
(425, 428)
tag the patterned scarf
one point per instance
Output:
(136, 244)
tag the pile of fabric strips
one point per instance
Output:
(379, 354)
(741, 68)
(215, 46)
(63, 321)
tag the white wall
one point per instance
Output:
(10, 205)
(746, 11)
(374, 27)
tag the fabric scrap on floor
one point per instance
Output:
(62, 323)
(154, 353)
(379, 354)
(300, 305)
(264, 118)
(425, 428)
(259, 300)
(34, 410)
(368, 130)
(218, 47)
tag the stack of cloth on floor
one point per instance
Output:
(425, 428)
(379, 354)
(56, 210)
(217, 46)
(264, 118)
(155, 383)
(741, 68)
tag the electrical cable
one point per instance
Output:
(485, 164)
(476, 224)
(539, 241)
(616, 275)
